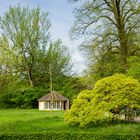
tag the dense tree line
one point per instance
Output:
(29, 59)
(31, 64)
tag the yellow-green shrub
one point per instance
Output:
(108, 94)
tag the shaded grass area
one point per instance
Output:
(34, 121)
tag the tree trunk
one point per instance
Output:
(30, 77)
(124, 50)
(116, 9)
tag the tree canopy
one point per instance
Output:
(29, 58)
(110, 96)
(32, 63)
(26, 32)
(111, 31)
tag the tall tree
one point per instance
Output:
(27, 32)
(120, 18)
(55, 62)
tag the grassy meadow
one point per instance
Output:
(35, 121)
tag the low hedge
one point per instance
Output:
(68, 136)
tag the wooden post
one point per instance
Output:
(51, 85)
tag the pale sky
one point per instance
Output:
(62, 19)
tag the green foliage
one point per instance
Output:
(29, 57)
(21, 97)
(69, 86)
(108, 63)
(77, 113)
(67, 136)
(109, 25)
(109, 94)
(134, 67)
(26, 32)
(112, 37)
(54, 62)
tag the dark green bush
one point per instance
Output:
(67, 136)
(22, 97)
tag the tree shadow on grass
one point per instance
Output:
(109, 123)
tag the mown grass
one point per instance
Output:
(35, 121)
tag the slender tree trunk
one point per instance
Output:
(30, 77)
(51, 85)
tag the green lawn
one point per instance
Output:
(34, 121)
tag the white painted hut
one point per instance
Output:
(53, 101)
